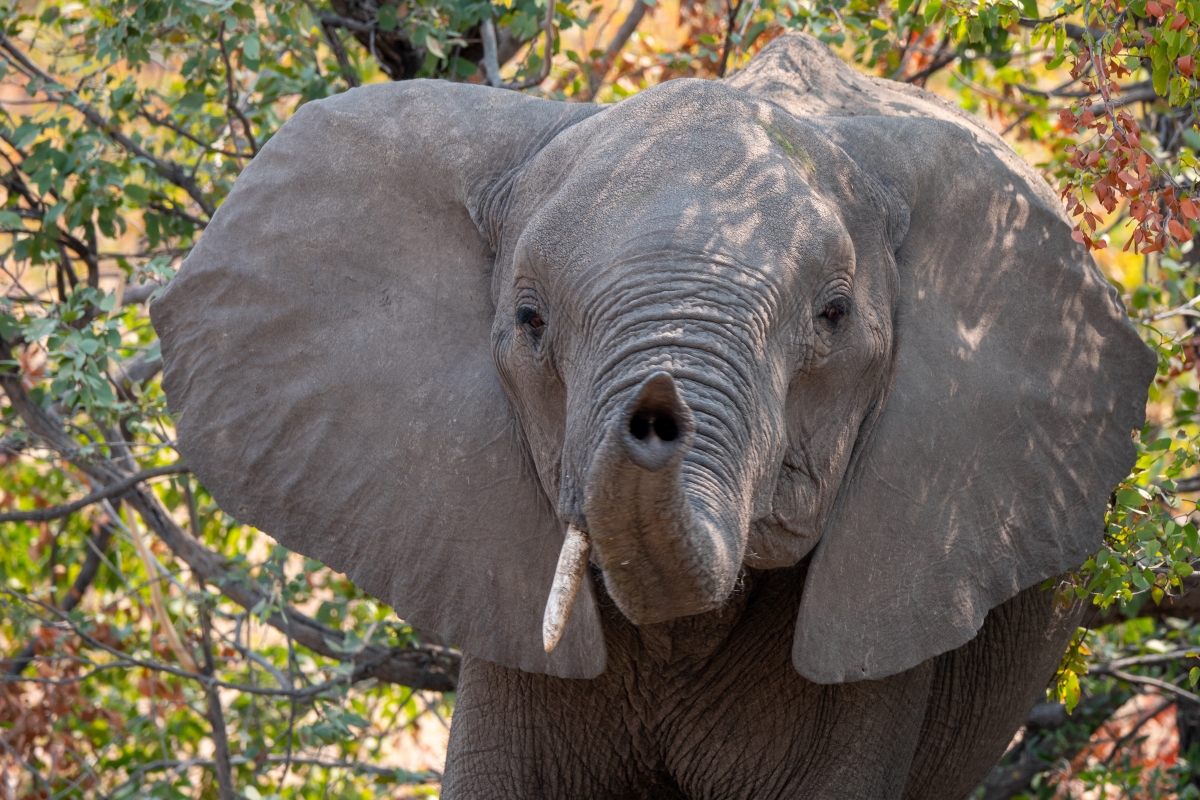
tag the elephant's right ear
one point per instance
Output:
(327, 350)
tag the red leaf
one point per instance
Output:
(1186, 64)
(1153, 9)
(1178, 230)
(1078, 236)
(1178, 22)
(1189, 208)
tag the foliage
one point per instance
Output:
(124, 124)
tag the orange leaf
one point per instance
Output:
(1153, 9)
(1189, 208)
(1178, 230)
(1186, 64)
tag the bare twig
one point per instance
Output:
(168, 170)
(1144, 680)
(945, 57)
(166, 123)
(491, 65)
(231, 98)
(87, 573)
(140, 293)
(216, 717)
(488, 34)
(1076, 32)
(112, 490)
(339, 52)
(603, 64)
(727, 50)
(1154, 659)
(423, 667)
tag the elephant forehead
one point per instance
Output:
(690, 166)
(667, 226)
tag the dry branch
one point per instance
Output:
(424, 667)
(113, 490)
(87, 573)
(166, 169)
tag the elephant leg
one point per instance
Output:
(521, 735)
(982, 693)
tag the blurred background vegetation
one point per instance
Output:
(151, 646)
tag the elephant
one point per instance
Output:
(734, 431)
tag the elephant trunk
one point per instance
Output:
(668, 548)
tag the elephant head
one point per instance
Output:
(803, 312)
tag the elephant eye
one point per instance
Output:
(835, 311)
(531, 318)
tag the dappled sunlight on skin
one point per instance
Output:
(708, 254)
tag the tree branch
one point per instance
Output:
(166, 123)
(727, 50)
(170, 171)
(216, 717)
(603, 64)
(424, 667)
(87, 573)
(139, 293)
(1075, 32)
(1050, 735)
(231, 97)
(487, 32)
(1185, 605)
(339, 52)
(112, 490)
(399, 58)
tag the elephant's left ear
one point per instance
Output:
(327, 349)
(1018, 381)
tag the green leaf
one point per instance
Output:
(250, 47)
(139, 194)
(1161, 77)
(1029, 9)
(932, 10)
(388, 17)
(1193, 676)
(1130, 497)
(434, 46)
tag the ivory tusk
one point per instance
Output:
(572, 564)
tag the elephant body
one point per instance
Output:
(708, 706)
(729, 429)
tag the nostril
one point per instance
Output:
(662, 424)
(659, 424)
(665, 428)
(639, 426)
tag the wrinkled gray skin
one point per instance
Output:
(811, 357)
